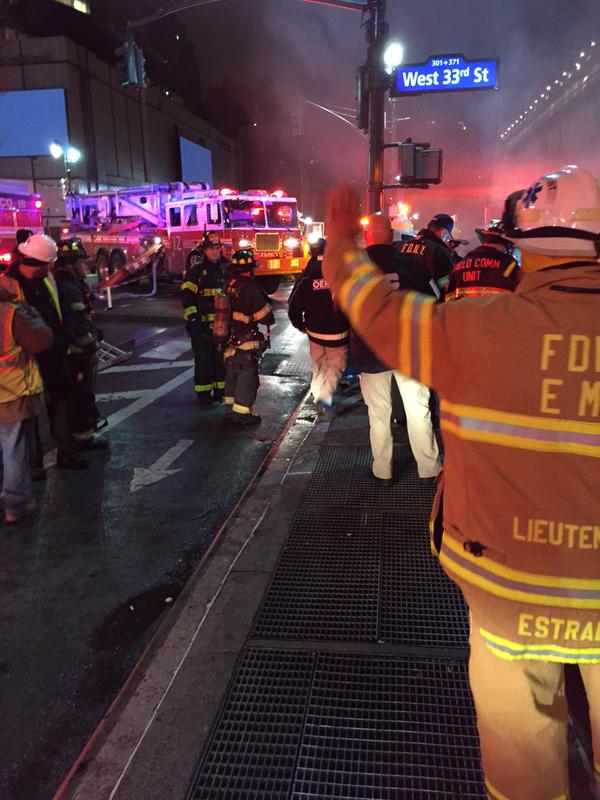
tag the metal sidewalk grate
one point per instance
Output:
(326, 585)
(386, 728)
(331, 726)
(342, 477)
(419, 604)
(362, 577)
(254, 747)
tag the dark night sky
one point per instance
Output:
(287, 50)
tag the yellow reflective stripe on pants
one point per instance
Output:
(241, 409)
(192, 287)
(229, 401)
(189, 312)
(219, 385)
(522, 720)
(203, 387)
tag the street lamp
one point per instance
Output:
(393, 55)
(70, 155)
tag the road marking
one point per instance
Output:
(146, 476)
(132, 394)
(186, 653)
(146, 367)
(142, 402)
(169, 350)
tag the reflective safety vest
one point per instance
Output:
(19, 374)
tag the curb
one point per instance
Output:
(68, 789)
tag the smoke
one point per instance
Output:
(285, 52)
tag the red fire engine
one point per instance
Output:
(124, 230)
(17, 211)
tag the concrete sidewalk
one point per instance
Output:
(318, 652)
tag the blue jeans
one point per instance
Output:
(16, 440)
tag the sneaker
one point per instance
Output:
(244, 419)
(71, 461)
(12, 517)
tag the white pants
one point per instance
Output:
(328, 363)
(377, 393)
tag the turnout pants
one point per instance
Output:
(328, 364)
(83, 412)
(522, 722)
(208, 365)
(377, 393)
(241, 380)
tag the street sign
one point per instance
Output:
(445, 74)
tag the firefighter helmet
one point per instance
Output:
(210, 239)
(39, 247)
(318, 248)
(558, 215)
(494, 234)
(242, 261)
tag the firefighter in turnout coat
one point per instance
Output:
(249, 307)
(521, 425)
(202, 282)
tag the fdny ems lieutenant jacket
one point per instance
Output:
(200, 285)
(518, 377)
(249, 307)
(484, 270)
(312, 311)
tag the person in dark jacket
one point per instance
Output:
(249, 308)
(312, 311)
(201, 283)
(38, 288)
(21, 236)
(488, 269)
(376, 377)
(82, 353)
(427, 260)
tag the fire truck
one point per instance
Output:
(17, 211)
(126, 230)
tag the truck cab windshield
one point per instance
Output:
(281, 214)
(244, 213)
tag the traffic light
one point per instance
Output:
(140, 66)
(131, 64)
(419, 164)
(362, 98)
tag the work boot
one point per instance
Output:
(12, 517)
(204, 398)
(71, 461)
(244, 419)
(92, 444)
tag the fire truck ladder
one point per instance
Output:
(109, 355)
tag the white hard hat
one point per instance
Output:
(558, 215)
(41, 247)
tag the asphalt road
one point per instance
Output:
(84, 585)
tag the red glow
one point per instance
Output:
(226, 191)
(38, 203)
(65, 230)
(278, 193)
(256, 211)
(6, 257)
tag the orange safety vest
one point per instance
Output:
(519, 380)
(19, 374)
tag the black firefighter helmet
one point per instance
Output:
(242, 261)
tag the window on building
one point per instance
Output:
(175, 217)
(190, 214)
(78, 5)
